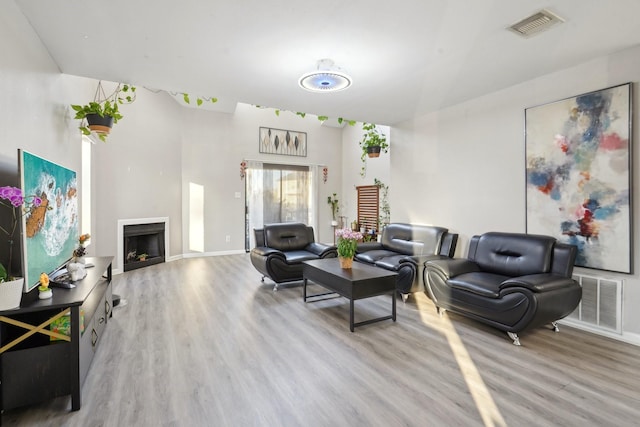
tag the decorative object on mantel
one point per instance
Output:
(281, 141)
(372, 143)
(347, 243)
(44, 292)
(578, 164)
(243, 169)
(101, 114)
(10, 286)
(325, 174)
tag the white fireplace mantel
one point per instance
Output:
(119, 264)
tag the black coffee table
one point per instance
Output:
(361, 281)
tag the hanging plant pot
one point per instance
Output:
(99, 124)
(373, 151)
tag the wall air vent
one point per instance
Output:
(536, 23)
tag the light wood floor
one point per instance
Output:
(202, 342)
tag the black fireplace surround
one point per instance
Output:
(142, 239)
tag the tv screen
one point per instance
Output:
(50, 231)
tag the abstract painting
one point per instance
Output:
(285, 142)
(578, 162)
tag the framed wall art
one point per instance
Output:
(284, 142)
(578, 175)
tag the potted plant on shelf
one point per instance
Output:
(335, 208)
(372, 144)
(101, 114)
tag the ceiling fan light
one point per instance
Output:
(327, 78)
(325, 81)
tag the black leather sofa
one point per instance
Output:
(510, 281)
(404, 248)
(281, 248)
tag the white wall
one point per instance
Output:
(137, 172)
(214, 144)
(152, 153)
(34, 103)
(35, 96)
(464, 167)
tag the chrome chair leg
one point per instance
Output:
(514, 337)
(555, 326)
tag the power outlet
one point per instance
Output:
(228, 239)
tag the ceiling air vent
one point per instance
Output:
(536, 23)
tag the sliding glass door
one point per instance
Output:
(277, 193)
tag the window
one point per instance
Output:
(85, 226)
(277, 193)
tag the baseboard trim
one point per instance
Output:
(627, 337)
(194, 255)
(208, 254)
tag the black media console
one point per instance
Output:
(36, 362)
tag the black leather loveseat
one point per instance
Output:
(404, 248)
(281, 248)
(510, 281)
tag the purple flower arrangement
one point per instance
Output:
(347, 242)
(13, 198)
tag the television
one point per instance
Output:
(49, 232)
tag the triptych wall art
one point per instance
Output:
(578, 161)
(285, 142)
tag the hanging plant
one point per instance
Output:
(373, 142)
(100, 115)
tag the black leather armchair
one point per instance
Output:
(281, 248)
(404, 248)
(510, 281)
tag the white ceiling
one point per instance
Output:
(406, 57)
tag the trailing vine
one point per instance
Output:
(385, 209)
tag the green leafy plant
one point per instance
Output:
(104, 106)
(372, 137)
(340, 120)
(199, 100)
(347, 242)
(335, 208)
(385, 210)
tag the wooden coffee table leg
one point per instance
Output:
(351, 325)
(304, 289)
(393, 305)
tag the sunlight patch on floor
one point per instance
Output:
(486, 406)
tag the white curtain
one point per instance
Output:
(278, 193)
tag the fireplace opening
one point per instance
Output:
(143, 245)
